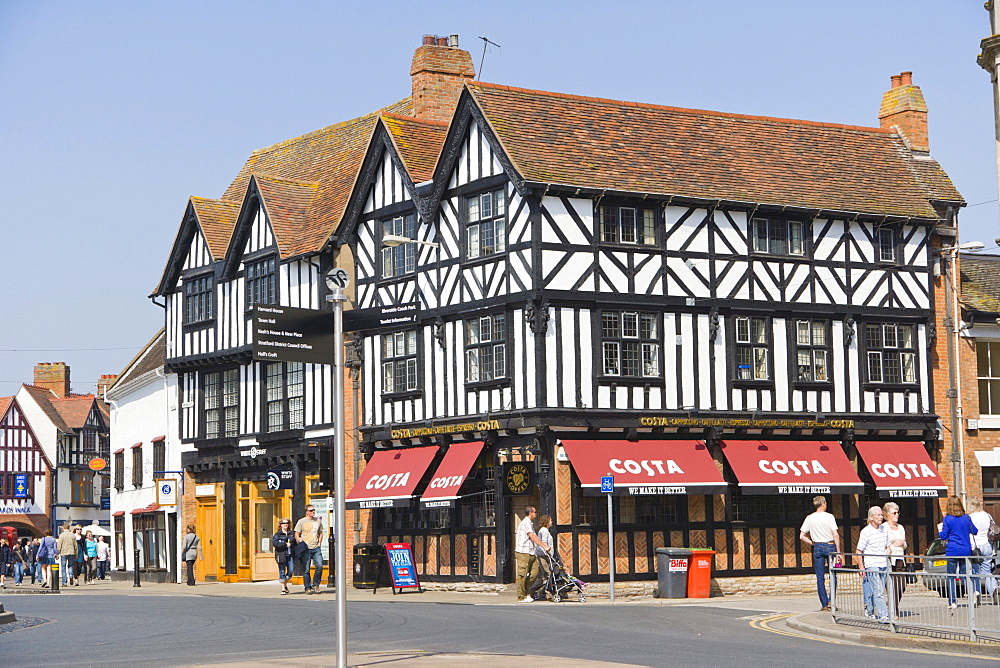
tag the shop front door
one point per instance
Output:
(208, 528)
(266, 515)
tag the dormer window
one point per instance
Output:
(777, 237)
(260, 279)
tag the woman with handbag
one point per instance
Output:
(897, 548)
(191, 551)
(283, 541)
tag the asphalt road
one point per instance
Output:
(178, 630)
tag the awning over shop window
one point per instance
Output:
(151, 508)
(390, 477)
(443, 488)
(901, 469)
(647, 467)
(792, 467)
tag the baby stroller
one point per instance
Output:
(559, 582)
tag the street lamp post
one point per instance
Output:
(337, 280)
(948, 256)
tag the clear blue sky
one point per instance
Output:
(114, 113)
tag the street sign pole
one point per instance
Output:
(337, 279)
(608, 487)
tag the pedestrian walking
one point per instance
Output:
(90, 547)
(982, 521)
(283, 542)
(872, 549)
(103, 558)
(897, 548)
(309, 531)
(48, 552)
(191, 552)
(6, 561)
(542, 555)
(525, 542)
(80, 565)
(34, 568)
(957, 529)
(820, 531)
(67, 554)
(20, 560)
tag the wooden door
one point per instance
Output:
(209, 530)
(265, 522)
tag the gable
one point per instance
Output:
(198, 254)
(201, 239)
(16, 434)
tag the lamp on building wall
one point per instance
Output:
(948, 255)
(393, 240)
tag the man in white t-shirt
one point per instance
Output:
(982, 521)
(820, 531)
(524, 552)
(873, 548)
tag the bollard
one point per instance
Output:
(331, 578)
(54, 575)
(136, 582)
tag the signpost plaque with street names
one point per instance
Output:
(287, 334)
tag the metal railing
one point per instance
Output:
(918, 599)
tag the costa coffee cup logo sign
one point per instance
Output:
(648, 466)
(798, 467)
(518, 478)
(901, 470)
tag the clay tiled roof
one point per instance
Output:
(980, 275)
(5, 403)
(74, 410)
(418, 143)
(626, 146)
(151, 357)
(330, 159)
(44, 398)
(288, 205)
(217, 218)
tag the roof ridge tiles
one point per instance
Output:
(215, 200)
(413, 119)
(685, 110)
(321, 131)
(291, 182)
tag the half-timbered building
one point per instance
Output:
(25, 473)
(727, 313)
(73, 432)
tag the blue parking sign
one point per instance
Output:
(20, 485)
(608, 484)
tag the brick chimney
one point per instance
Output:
(53, 376)
(438, 73)
(904, 109)
(105, 381)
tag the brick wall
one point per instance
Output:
(438, 73)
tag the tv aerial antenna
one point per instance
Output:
(486, 43)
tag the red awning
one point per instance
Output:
(118, 513)
(443, 488)
(792, 467)
(390, 477)
(901, 469)
(151, 508)
(647, 467)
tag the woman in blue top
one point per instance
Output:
(956, 529)
(90, 546)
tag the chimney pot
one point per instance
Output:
(53, 376)
(907, 78)
(442, 41)
(438, 77)
(904, 111)
(428, 40)
(895, 79)
(453, 41)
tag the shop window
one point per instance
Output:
(222, 403)
(285, 396)
(401, 259)
(149, 532)
(413, 518)
(769, 507)
(891, 351)
(812, 351)
(477, 506)
(137, 466)
(243, 520)
(626, 225)
(199, 302)
(119, 464)
(486, 227)
(991, 480)
(485, 348)
(661, 509)
(81, 486)
(630, 344)
(399, 362)
(777, 237)
(753, 349)
(260, 280)
(988, 364)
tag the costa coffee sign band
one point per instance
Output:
(416, 432)
(654, 421)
